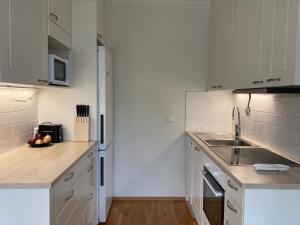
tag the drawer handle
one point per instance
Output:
(230, 206)
(91, 154)
(53, 16)
(217, 86)
(258, 82)
(42, 81)
(70, 196)
(90, 168)
(231, 185)
(197, 149)
(273, 80)
(69, 176)
(91, 196)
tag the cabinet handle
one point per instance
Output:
(53, 16)
(273, 80)
(258, 82)
(217, 86)
(91, 155)
(91, 196)
(90, 168)
(230, 206)
(43, 81)
(197, 149)
(231, 185)
(70, 196)
(69, 176)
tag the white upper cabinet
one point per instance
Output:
(248, 44)
(23, 42)
(221, 41)
(60, 21)
(257, 48)
(101, 22)
(60, 12)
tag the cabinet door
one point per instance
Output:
(24, 43)
(283, 27)
(188, 176)
(101, 21)
(221, 43)
(60, 12)
(197, 184)
(249, 36)
(4, 40)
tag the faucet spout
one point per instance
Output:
(236, 123)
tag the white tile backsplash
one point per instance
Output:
(18, 116)
(274, 122)
(209, 111)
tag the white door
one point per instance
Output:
(60, 12)
(24, 42)
(188, 176)
(221, 43)
(105, 73)
(283, 27)
(106, 177)
(248, 48)
(197, 184)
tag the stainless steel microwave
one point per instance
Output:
(58, 71)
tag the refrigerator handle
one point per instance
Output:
(102, 171)
(101, 129)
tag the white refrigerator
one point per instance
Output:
(105, 132)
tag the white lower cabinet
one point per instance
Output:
(73, 197)
(242, 205)
(194, 184)
(197, 183)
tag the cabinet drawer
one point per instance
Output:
(233, 211)
(234, 190)
(215, 171)
(70, 211)
(65, 185)
(227, 220)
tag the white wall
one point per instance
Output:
(18, 116)
(274, 122)
(160, 51)
(58, 105)
(209, 111)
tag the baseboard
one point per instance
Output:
(149, 198)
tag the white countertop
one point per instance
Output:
(247, 177)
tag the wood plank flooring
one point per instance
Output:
(150, 212)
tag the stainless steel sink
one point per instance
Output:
(226, 142)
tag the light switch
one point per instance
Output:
(171, 118)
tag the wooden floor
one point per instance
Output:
(150, 212)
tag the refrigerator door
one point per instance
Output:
(105, 182)
(105, 78)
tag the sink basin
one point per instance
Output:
(227, 142)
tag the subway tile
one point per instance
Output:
(18, 116)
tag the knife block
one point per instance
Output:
(81, 129)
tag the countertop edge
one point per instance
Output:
(46, 185)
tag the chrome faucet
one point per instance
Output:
(236, 123)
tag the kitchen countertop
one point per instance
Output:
(27, 167)
(247, 177)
